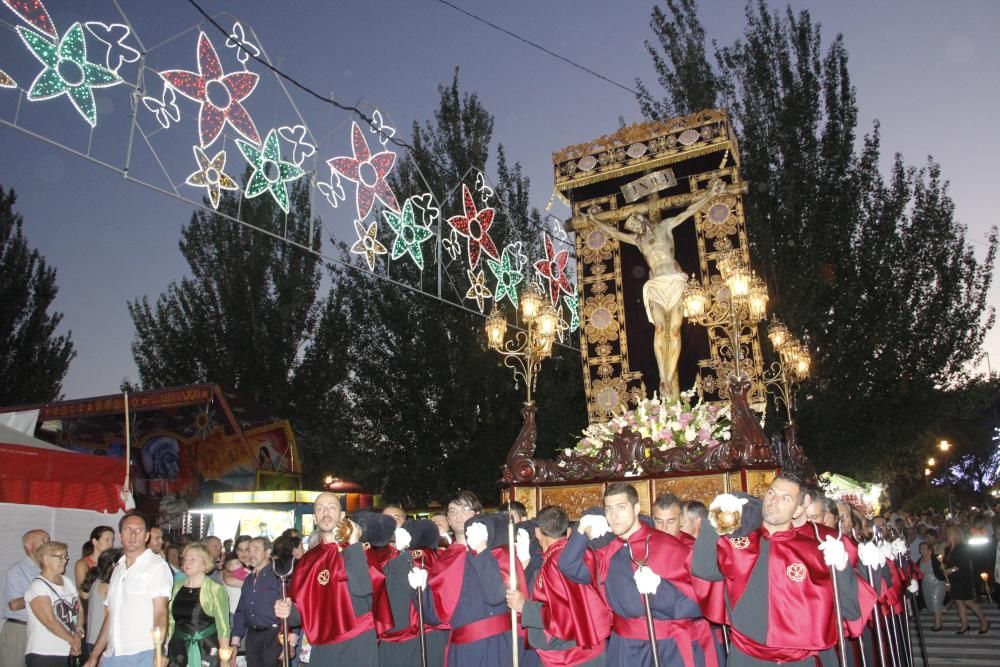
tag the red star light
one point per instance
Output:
(220, 94)
(475, 225)
(369, 172)
(553, 269)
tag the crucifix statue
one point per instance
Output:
(661, 293)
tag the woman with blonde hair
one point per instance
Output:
(199, 612)
(55, 625)
(961, 577)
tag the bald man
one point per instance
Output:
(14, 635)
(331, 594)
(214, 545)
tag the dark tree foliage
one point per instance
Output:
(33, 358)
(243, 316)
(873, 271)
(425, 408)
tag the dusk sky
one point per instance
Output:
(929, 71)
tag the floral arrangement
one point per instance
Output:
(667, 424)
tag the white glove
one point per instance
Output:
(869, 555)
(402, 538)
(417, 578)
(913, 587)
(727, 502)
(898, 547)
(646, 580)
(598, 525)
(834, 553)
(477, 537)
(523, 546)
(886, 550)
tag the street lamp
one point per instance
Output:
(744, 305)
(792, 367)
(525, 352)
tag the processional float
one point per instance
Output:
(683, 176)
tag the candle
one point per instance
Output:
(157, 645)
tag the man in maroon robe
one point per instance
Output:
(642, 563)
(567, 623)
(331, 594)
(778, 584)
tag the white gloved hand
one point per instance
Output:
(886, 550)
(834, 553)
(477, 537)
(646, 580)
(523, 547)
(417, 578)
(727, 502)
(913, 587)
(597, 524)
(869, 555)
(403, 538)
(898, 547)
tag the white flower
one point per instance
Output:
(690, 434)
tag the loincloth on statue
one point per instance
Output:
(664, 290)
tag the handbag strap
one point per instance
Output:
(71, 630)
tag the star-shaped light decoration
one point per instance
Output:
(210, 175)
(220, 95)
(67, 71)
(553, 269)
(475, 225)
(369, 172)
(409, 235)
(6, 81)
(270, 172)
(573, 304)
(478, 289)
(368, 243)
(507, 274)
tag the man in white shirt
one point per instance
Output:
(14, 636)
(136, 602)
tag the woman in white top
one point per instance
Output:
(55, 628)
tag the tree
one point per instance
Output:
(247, 310)
(33, 358)
(874, 273)
(426, 408)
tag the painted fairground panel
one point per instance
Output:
(186, 443)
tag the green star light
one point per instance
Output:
(508, 278)
(67, 71)
(409, 235)
(573, 303)
(270, 172)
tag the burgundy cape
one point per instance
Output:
(319, 590)
(384, 621)
(670, 559)
(710, 595)
(570, 611)
(800, 588)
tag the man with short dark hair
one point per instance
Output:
(156, 541)
(136, 601)
(518, 509)
(14, 636)
(462, 507)
(255, 625)
(667, 514)
(779, 589)
(692, 516)
(567, 623)
(397, 513)
(641, 562)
